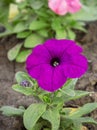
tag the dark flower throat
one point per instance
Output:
(55, 62)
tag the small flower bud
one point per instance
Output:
(25, 83)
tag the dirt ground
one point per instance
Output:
(8, 69)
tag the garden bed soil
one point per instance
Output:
(8, 69)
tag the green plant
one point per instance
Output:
(50, 113)
(35, 22)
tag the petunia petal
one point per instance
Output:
(62, 7)
(58, 6)
(58, 78)
(56, 47)
(43, 74)
(51, 79)
(59, 47)
(74, 6)
(39, 55)
(34, 72)
(74, 48)
(48, 78)
(45, 78)
(76, 66)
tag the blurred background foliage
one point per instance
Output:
(33, 22)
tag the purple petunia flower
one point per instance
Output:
(53, 62)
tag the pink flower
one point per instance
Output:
(53, 62)
(62, 7)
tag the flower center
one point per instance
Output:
(55, 62)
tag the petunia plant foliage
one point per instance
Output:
(34, 21)
(53, 69)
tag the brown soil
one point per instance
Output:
(8, 69)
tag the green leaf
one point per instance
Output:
(37, 25)
(37, 126)
(11, 111)
(87, 108)
(41, 124)
(58, 101)
(70, 123)
(53, 116)
(58, 28)
(56, 24)
(87, 13)
(86, 120)
(33, 40)
(67, 110)
(79, 26)
(8, 29)
(24, 90)
(61, 34)
(37, 4)
(77, 122)
(19, 27)
(46, 129)
(71, 34)
(42, 14)
(78, 94)
(44, 96)
(43, 32)
(22, 76)
(22, 4)
(12, 53)
(32, 115)
(6, 33)
(92, 2)
(22, 56)
(77, 125)
(70, 84)
(46, 99)
(23, 34)
(4, 9)
(68, 91)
